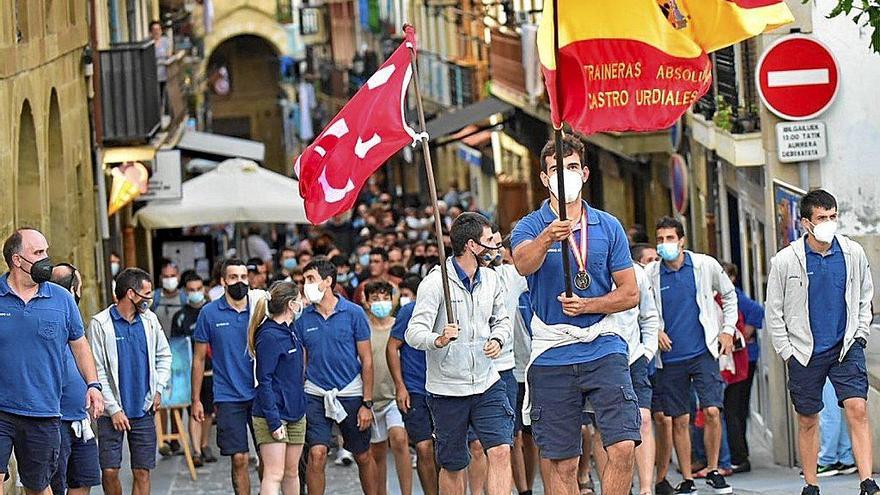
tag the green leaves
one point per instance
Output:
(867, 15)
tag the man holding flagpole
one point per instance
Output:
(577, 349)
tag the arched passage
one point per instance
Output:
(27, 184)
(250, 109)
(59, 206)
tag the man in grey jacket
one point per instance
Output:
(134, 366)
(691, 339)
(465, 388)
(818, 312)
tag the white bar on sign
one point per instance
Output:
(799, 77)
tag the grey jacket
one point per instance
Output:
(461, 368)
(102, 337)
(709, 278)
(788, 307)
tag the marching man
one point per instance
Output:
(465, 388)
(577, 348)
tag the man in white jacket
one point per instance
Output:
(818, 312)
(465, 387)
(691, 340)
(134, 366)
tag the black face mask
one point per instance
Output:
(237, 291)
(41, 270)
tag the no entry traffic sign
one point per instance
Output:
(797, 77)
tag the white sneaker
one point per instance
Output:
(343, 458)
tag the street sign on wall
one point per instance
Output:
(801, 141)
(797, 77)
(165, 183)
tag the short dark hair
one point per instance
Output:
(670, 223)
(189, 276)
(398, 271)
(68, 279)
(730, 269)
(570, 146)
(380, 252)
(228, 263)
(11, 246)
(637, 250)
(467, 226)
(253, 264)
(324, 268)
(131, 278)
(340, 260)
(155, 22)
(817, 198)
(377, 287)
(411, 282)
(166, 263)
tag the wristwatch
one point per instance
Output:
(367, 403)
(96, 385)
(862, 342)
(496, 339)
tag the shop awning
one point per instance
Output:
(454, 121)
(223, 146)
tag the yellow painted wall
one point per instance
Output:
(48, 178)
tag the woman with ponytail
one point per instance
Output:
(279, 408)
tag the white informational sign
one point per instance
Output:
(801, 141)
(165, 183)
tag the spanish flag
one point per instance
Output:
(638, 65)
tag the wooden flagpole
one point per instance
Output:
(560, 169)
(432, 186)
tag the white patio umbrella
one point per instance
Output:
(237, 191)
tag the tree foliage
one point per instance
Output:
(865, 13)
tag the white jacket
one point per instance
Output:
(101, 335)
(640, 325)
(787, 310)
(461, 368)
(513, 284)
(709, 278)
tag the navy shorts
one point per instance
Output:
(520, 399)
(512, 389)
(234, 421)
(319, 426)
(78, 465)
(36, 442)
(141, 443)
(674, 382)
(656, 398)
(489, 414)
(849, 378)
(638, 372)
(558, 394)
(417, 420)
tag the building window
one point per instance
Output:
(71, 12)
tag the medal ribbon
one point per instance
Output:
(581, 255)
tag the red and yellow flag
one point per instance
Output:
(638, 65)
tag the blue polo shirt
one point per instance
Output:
(465, 280)
(413, 364)
(525, 309)
(331, 344)
(73, 391)
(681, 315)
(827, 293)
(226, 329)
(134, 366)
(753, 314)
(608, 253)
(280, 375)
(33, 339)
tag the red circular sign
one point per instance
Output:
(797, 77)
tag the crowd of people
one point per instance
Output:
(358, 336)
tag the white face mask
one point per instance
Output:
(404, 300)
(574, 182)
(169, 284)
(313, 293)
(824, 232)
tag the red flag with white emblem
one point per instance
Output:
(365, 133)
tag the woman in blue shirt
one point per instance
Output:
(279, 408)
